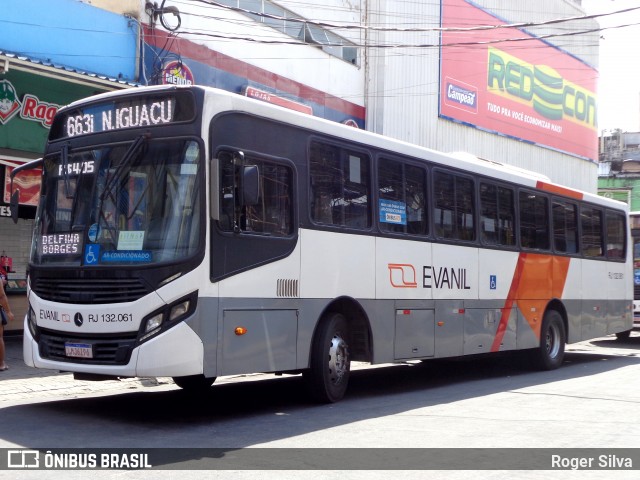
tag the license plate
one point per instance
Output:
(79, 350)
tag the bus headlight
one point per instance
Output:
(167, 316)
(153, 322)
(178, 310)
(31, 323)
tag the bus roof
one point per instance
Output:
(462, 160)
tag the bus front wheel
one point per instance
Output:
(550, 354)
(328, 375)
(194, 383)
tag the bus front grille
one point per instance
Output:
(88, 291)
(105, 350)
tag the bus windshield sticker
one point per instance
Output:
(130, 240)
(91, 254)
(127, 256)
(392, 211)
(94, 232)
(188, 169)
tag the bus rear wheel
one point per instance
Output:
(328, 376)
(623, 335)
(194, 383)
(550, 354)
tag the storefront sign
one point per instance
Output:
(28, 104)
(177, 73)
(9, 104)
(31, 107)
(277, 100)
(509, 82)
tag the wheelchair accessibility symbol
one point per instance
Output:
(91, 254)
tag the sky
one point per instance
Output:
(619, 79)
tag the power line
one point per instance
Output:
(474, 28)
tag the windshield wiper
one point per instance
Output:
(126, 159)
(129, 155)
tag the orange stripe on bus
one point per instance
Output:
(537, 279)
(567, 192)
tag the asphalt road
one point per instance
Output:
(592, 402)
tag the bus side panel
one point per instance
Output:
(414, 331)
(497, 268)
(449, 328)
(263, 281)
(483, 332)
(594, 303)
(538, 279)
(336, 265)
(400, 267)
(572, 300)
(490, 324)
(205, 324)
(269, 344)
(453, 273)
(619, 291)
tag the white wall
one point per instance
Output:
(305, 64)
(403, 85)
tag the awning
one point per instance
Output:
(14, 61)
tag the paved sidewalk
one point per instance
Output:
(25, 383)
(21, 383)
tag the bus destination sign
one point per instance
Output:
(137, 112)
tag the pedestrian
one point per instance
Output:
(7, 316)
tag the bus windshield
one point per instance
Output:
(131, 203)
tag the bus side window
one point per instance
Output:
(591, 223)
(489, 214)
(454, 209)
(401, 198)
(616, 244)
(340, 186)
(227, 191)
(534, 220)
(272, 214)
(565, 227)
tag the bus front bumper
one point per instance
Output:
(175, 353)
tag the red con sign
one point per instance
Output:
(507, 81)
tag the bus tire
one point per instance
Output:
(623, 335)
(194, 383)
(328, 376)
(550, 354)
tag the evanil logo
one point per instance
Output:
(541, 87)
(9, 103)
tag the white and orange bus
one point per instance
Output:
(194, 233)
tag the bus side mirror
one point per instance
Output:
(250, 185)
(14, 205)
